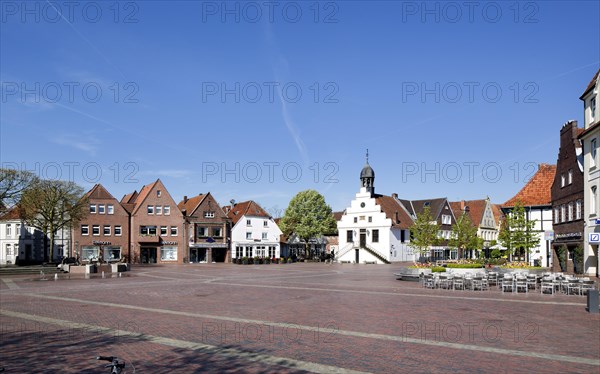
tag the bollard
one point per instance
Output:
(56, 276)
(102, 275)
(592, 301)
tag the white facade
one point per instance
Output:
(591, 179)
(366, 235)
(488, 227)
(543, 222)
(255, 236)
(17, 239)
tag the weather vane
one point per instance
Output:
(367, 155)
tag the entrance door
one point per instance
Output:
(363, 238)
(218, 254)
(356, 257)
(148, 255)
(201, 254)
(193, 255)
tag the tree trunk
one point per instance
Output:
(51, 246)
(45, 248)
(306, 250)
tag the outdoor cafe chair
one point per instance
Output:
(445, 281)
(507, 283)
(532, 281)
(574, 286)
(476, 283)
(547, 284)
(521, 283)
(459, 282)
(586, 285)
(429, 281)
(492, 278)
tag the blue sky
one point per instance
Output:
(256, 100)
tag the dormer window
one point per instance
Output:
(593, 109)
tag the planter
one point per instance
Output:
(412, 273)
(119, 268)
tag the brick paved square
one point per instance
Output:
(287, 318)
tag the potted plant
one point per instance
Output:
(245, 260)
(267, 261)
(256, 260)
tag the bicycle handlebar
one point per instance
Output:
(106, 358)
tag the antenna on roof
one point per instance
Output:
(367, 155)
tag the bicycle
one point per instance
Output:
(115, 366)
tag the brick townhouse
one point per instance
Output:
(207, 228)
(104, 231)
(157, 226)
(567, 200)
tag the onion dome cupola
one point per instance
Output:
(367, 177)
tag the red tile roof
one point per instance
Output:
(338, 215)
(13, 213)
(395, 211)
(590, 85)
(191, 204)
(246, 208)
(476, 209)
(498, 215)
(99, 192)
(537, 191)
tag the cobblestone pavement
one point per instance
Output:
(287, 319)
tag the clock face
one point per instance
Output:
(362, 205)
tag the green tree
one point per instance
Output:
(464, 235)
(50, 206)
(308, 216)
(12, 185)
(424, 232)
(517, 234)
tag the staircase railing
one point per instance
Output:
(377, 254)
(347, 248)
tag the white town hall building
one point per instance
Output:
(375, 228)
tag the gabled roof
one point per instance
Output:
(591, 85)
(99, 192)
(476, 209)
(435, 206)
(338, 215)
(192, 204)
(13, 214)
(592, 127)
(498, 215)
(246, 208)
(128, 201)
(143, 195)
(133, 201)
(395, 211)
(537, 191)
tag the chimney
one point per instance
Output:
(395, 196)
(185, 199)
(462, 205)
